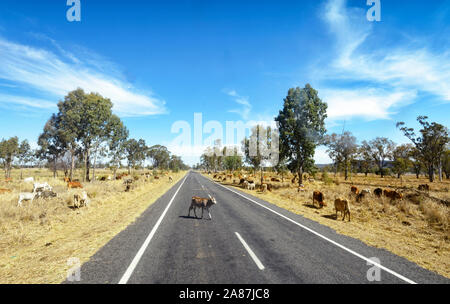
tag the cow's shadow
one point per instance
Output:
(331, 216)
(310, 205)
(190, 217)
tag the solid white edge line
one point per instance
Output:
(250, 251)
(325, 238)
(126, 276)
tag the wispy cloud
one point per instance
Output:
(246, 107)
(392, 76)
(47, 73)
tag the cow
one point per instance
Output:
(38, 187)
(66, 179)
(26, 197)
(319, 197)
(275, 179)
(204, 203)
(29, 180)
(80, 200)
(341, 205)
(245, 184)
(3, 191)
(392, 194)
(263, 188)
(424, 187)
(362, 194)
(46, 194)
(170, 179)
(378, 192)
(74, 185)
(156, 177)
(251, 186)
(354, 190)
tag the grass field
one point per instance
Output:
(37, 240)
(417, 227)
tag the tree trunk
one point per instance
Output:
(300, 176)
(54, 167)
(72, 164)
(440, 170)
(431, 173)
(346, 169)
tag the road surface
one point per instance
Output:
(247, 241)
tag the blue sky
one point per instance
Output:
(163, 61)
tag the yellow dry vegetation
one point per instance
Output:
(37, 240)
(417, 227)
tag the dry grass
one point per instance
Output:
(37, 240)
(417, 227)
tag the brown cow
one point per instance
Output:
(3, 191)
(354, 190)
(392, 194)
(73, 185)
(362, 195)
(341, 205)
(319, 197)
(204, 203)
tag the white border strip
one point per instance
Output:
(252, 254)
(126, 276)
(327, 239)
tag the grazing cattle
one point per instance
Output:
(392, 194)
(74, 185)
(341, 205)
(251, 186)
(38, 187)
(170, 179)
(80, 200)
(263, 188)
(363, 194)
(245, 184)
(25, 197)
(424, 187)
(46, 194)
(319, 197)
(204, 203)
(241, 181)
(354, 190)
(66, 179)
(29, 180)
(136, 178)
(275, 179)
(3, 191)
(156, 177)
(378, 192)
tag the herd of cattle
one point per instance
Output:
(340, 204)
(80, 199)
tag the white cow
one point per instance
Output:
(25, 197)
(41, 187)
(81, 200)
(29, 180)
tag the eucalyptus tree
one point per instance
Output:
(8, 151)
(342, 149)
(430, 144)
(301, 125)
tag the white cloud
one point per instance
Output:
(50, 74)
(395, 74)
(246, 107)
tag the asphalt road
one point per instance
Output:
(247, 241)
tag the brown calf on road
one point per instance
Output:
(319, 197)
(204, 203)
(341, 205)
